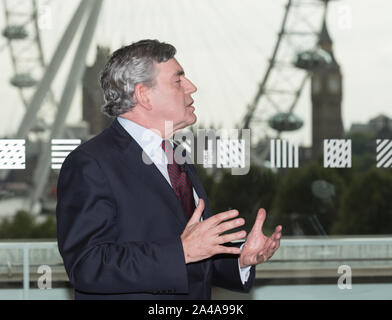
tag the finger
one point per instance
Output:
(261, 214)
(272, 249)
(228, 250)
(274, 245)
(225, 226)
(276, 236)
(278, 229)
(267, 243)
(265, 255)
(231, 237)
(277, 233)
(197, 213)
(269, 254)
(218, 218)
(260, 257)
(277, 239)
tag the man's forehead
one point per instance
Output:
(176, 69)
(171, 68)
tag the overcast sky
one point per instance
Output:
(224, 47)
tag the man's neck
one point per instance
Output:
(165, 130)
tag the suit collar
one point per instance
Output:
(148, 139)
(132, 155)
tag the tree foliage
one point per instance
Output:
(300, 208)
(367, 206)
(24, 226)
(354, 200)
(246, 193)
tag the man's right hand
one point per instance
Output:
(201, 240)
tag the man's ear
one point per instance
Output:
(142, 97)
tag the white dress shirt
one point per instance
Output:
(151, 143)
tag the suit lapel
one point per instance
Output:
(198, 187)
(190, 169)
(149, 173)
(191, 172)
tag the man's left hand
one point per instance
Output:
(258, 248)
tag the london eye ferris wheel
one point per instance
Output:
(80, 26)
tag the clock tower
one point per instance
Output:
(326, 91)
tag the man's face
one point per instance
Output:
(170, 97)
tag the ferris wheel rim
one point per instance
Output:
(250, 114)
(40, 64)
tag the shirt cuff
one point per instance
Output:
(244, 272)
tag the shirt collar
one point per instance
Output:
(149, 141)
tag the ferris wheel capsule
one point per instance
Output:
(23, 80)
(285, 121)
(15, 32)
(295, 55)
(313, 59)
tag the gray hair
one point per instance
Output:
(127, 67)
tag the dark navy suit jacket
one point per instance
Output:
(119, 224)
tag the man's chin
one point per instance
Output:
(193, 120)
(190, 121)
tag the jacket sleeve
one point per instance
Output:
(226, 273)
(87, 231)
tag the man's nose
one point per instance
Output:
(191, 88)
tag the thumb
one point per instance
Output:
(197, 213)
(261, 215)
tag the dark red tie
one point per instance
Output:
(180, 181)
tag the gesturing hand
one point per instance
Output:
(258, 248)
(201, 240)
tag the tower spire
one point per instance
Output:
(327, 90)
(325, 41)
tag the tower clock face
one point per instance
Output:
(333, 84)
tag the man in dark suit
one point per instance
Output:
(131, 224)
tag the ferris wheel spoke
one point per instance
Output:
(24, 43)
(298, 93)
(285, 78)
(282, 82)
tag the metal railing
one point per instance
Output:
(26, 248)
(310, 255)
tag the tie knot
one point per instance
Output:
(166, 146)
(168, 149)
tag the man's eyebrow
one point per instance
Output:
(180, 73)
